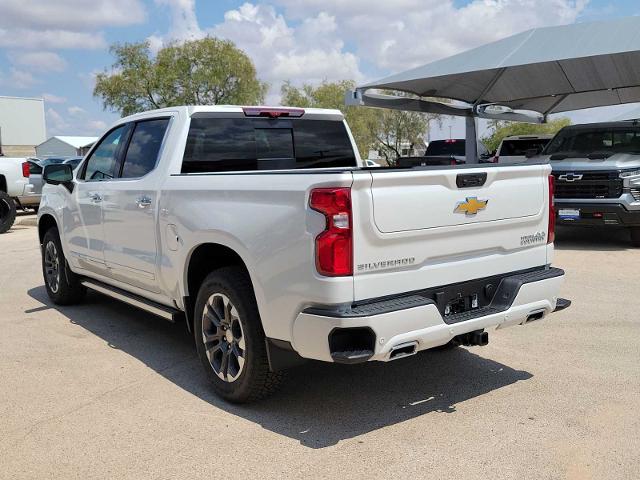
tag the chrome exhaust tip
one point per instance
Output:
(403, 350)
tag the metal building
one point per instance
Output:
(64, 146)
(22, 125)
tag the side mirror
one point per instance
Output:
(532, 152)
(59, 174)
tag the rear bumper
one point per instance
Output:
(414, 319)
(600, 214)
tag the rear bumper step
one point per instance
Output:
(499, 293)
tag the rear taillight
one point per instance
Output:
(334, 246)
(25, 169)
(551, 234)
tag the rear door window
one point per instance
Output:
(144, 146)
(242, 144)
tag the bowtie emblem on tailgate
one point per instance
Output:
(471, 206)
(570, 177)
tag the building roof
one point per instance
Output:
(545, 70)
(76, 142)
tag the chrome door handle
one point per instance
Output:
(95, 197)
(143, 201)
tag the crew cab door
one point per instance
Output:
(129, 208)
(83, 217)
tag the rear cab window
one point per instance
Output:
(519, 147)
(217, 144)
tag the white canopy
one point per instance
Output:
(526, 76)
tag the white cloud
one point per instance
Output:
(17, 79)
(311, 51)
(400, 34)
(51, 98)
(184, 24)
(75, 110)
(97, 126)
(56, 124)
(32, 39)
(74, 15)
(39, 61)
(45, 24)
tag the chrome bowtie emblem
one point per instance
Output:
(570, 177)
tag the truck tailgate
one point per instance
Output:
(417, 229)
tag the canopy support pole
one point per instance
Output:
(471, 141)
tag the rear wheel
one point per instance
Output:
(635, 236)
(7, 212)
(230, 339)
(63, 286)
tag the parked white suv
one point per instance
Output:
(257, 226)
(519, 148)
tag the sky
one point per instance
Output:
(53, 49)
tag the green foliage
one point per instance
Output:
(362, 121)
(198, 72)
(372, 128)
(507, 129)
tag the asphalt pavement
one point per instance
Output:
(102, 390)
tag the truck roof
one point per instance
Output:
(326, 113)
(529, 137)
(605, 125)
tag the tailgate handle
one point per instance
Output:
(468, 180)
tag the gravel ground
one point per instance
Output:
(102, 390)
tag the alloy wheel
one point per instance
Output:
(52, 266)
(223, 337)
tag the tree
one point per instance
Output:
(362, 121)
(372, 128)
(197, 72)
(502, 129)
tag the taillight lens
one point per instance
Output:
(25, 169)
(334, 246)
(551, 234)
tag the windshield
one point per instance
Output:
(520, 147)
(572, 143)
(446, 147)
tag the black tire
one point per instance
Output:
(635, 236)
(7, 212)
(63, 286)
(253, 378)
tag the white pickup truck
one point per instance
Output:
(265, 232)
(15, 190)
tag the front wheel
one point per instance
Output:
(7, 212)
(230, 339)
(635, 236)
(63, 286)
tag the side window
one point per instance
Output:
(142, 153)
(102, 163)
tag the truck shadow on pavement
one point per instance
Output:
(320, 404)
(592, 238)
